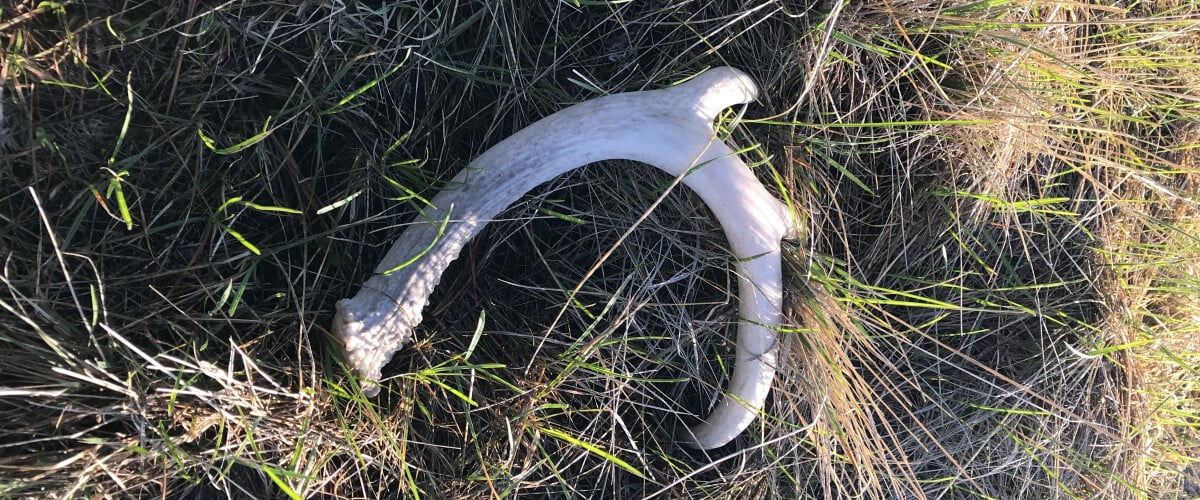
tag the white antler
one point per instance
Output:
(671, 129)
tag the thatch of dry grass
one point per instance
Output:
(995, 297)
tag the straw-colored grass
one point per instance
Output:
(995, 296)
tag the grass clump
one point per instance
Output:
(995, 296)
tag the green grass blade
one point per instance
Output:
(591, 448)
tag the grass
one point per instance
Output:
(994, 298)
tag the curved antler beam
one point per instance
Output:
(671, 129)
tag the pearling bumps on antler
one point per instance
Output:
(671, 129)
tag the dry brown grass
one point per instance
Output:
(995, 298)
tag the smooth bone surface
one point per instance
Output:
(671, 129)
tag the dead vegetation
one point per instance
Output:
(995, 299)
